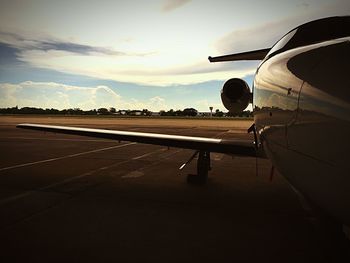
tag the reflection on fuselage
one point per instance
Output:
(276, 92)
(302, 113)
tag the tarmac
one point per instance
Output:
(67, 198)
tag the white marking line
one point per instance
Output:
(27, 193)
(15, 197)
(134, 174)
(56, 139)
(93, 171)
(65, 157)
(218, 135)
(138, 172)
(148, 154)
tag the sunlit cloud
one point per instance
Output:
(60, 96)
(205, 104)
(156, 43)
(155, 104)
(55, 95)
(146, 70)
(167, 52)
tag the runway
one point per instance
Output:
(76, 199)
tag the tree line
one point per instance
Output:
(112, 111)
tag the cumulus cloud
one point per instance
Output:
(61, 96)
(56, 95)
(155, 104)
(158, 103)
(157, 100)
(205, 104)
(170, 5)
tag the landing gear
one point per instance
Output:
(203, 166)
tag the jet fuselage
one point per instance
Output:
(301, 101)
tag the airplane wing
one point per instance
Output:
(250, 55)
(236, 147)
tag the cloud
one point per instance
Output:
(205, 104)
(171, 66)
(8, 55)
(255, 37)
(56, 95)
(170, 5)
(76, 48)
(268, 33)
(146, 68)
(158, 103)
(24, 42)
(147, 47)
(152, 70)
(155, 104)
(156, 100)
(61, 96)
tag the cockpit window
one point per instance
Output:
(282, 42)
(313, 32)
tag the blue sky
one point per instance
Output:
(137, 54)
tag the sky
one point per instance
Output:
(137, 54)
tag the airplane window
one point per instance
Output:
(283, 41)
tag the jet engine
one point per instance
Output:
(236, 95)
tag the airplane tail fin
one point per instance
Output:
(250, 55)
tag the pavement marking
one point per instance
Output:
(65, 157)
(47, 187)
(58, 139)
(15, 197)
(138, 172)
(134, 174)
(93, 171)
(148, 154)
(219, 135)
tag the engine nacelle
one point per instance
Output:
(236, 95)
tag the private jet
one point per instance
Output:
(301, 104)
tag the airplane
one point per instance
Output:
(301, 105)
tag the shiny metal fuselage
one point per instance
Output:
(302, 115)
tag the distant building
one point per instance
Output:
(204, 114)
(123, 112)
(155, 113)
(135, 113)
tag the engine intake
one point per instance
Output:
(236, 95)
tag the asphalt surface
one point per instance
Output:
(73, 199)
